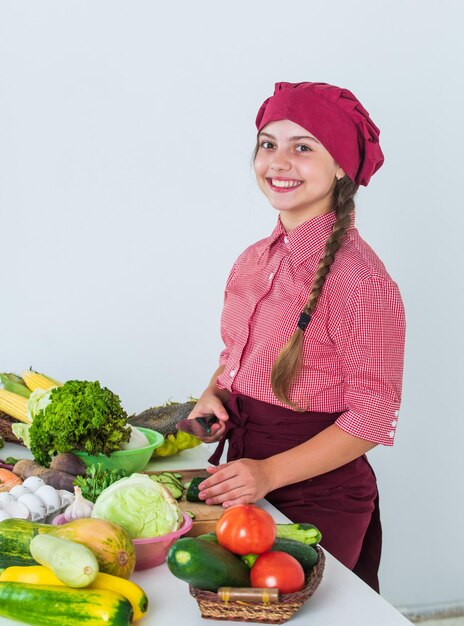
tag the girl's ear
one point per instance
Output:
(340, 173)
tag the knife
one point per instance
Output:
(197, 426)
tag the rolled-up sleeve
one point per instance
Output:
(370, 344)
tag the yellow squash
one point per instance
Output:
(40, 575)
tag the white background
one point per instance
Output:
(126, 193)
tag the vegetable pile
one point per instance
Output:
(247, 549)
(81, 569)
(92, 416)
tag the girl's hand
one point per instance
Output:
(210, 404)
(239, 482)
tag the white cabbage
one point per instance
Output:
(143, 507)
(37, 401)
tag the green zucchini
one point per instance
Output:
(306, 533)
(15, 537)
(47, 605)
(193, 491)
(206, 565)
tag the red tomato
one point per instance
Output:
(246, 528)
(277, 569)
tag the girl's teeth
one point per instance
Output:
(285, 183)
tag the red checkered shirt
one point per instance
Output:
(353, 347)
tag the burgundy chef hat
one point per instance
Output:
(335, 117)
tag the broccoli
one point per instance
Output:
(81, 416)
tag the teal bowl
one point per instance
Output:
(130, 460)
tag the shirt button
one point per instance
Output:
(394, 423)
(232, 373)
(391, 434)
(396, 413)
(271, 275)
(285, 239)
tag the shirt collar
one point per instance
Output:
(305, 240)
(265, 244)
(310, 237)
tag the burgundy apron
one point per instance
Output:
(342, 503)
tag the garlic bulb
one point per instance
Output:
(79, 508)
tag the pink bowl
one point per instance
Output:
(153, 550)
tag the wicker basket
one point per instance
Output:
(212, 607)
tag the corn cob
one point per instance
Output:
(34, 380)
(14, 405)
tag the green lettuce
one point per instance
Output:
(143, 507)
(82, 416)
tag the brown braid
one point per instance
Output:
(288, 363)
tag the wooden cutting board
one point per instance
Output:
(206, 515)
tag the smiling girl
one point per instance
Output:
(313, 326)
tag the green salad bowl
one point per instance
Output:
(130, 460)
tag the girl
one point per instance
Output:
(313, 326)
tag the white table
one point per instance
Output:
(342, 598)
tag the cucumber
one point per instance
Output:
(169, 480)
(206, 565)
(171, 475)
(306, 533)
(304, 554)
(174, 489)
(193, 491)
(47, 605)
(208, 537)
